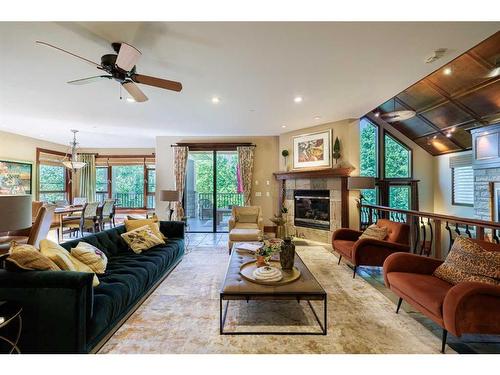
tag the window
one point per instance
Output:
(52, 187)
(102, 184)
(128, 185)
(397, 158)
(462, 186)
(151, 186)
(368, 159)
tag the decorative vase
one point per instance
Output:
(287, 254)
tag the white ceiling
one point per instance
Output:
(342, 70)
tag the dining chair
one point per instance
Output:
(87, 220)
(107, 214)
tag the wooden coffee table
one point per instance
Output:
(234, 287)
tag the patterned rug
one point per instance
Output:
(182, 315)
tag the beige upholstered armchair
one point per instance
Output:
(245, 224)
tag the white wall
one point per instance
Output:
(443, 188)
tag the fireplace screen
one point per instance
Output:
(312, 209)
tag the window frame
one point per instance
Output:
(68, 193)
(382, 152)
(453, 202)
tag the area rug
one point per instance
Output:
(182, 315)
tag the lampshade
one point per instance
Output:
(15, 212)
(74, 164)
(169, 195)
(360, 182)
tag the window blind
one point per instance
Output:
(463, 185)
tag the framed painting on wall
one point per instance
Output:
(15, 177)
(312, 150)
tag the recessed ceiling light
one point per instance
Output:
(298, 99)
(215, 100)
(448, 135)
(435, 137)
(130, 100)
(317, 117)
(377, 114)
(447, 71)
(283, 126)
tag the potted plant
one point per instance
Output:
(268, 249)
(285, 155)
(336, 150)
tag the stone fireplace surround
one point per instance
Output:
(335, 182)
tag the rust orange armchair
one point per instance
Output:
(467, 307)
(368, 251)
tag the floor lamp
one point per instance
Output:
(169, 196)
(360, 183)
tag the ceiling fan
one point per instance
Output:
(122, 68)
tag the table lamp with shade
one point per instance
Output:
(15, 214)
(360, 183)
(169, 196)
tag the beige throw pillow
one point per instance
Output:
(375, 232)
(247, 218)
(91, 256)
(468, 261)
(60, 256)
(137, 223)
(141, 239)
(27, 257)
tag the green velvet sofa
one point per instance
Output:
(63, 313)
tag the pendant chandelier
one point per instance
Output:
(73, 162)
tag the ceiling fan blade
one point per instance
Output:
(84, 81)
(70, 53)
(127, 57)
(157, 82)
(135, 91)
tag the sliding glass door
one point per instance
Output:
(211, 190)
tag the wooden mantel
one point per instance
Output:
(318, 173)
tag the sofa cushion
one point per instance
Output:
(468, 261)
(248, 218)
(426, 291)
(344, 247)
(91, 256)
(27, 257)
(375, 232)
(141, 239)
(238, 234)
(246, 226)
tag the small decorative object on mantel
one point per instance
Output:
(287, 254)
(312, 150)
(280, 221)
(336, 150)
(268, 249)
(285, 155)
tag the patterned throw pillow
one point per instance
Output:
(27, 257)
(131, 224)
(66, 262)
(375, 232)
(468, 261)
(141, 239)
(91, 256)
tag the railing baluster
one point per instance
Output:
(467, 231)
(417, 234)
(495, 237)
(429, 249)
(447, 227)
(424, 235)
(457, 229)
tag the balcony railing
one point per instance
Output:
(201, 204)
(432, 234)
(128, 200)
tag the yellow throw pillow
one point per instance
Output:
(137, 223)
(91, 256)
(27, 257)
(60, 256)
(141, 239)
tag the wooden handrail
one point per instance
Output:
(454, 219)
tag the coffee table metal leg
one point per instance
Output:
(222, 315)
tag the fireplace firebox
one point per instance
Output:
(312, 209)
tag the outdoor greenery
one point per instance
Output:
(52, 182)
(101, 179)
(226, 172)
(397, 164)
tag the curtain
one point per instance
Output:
(87, 177)
(180, 162)
(245, 162)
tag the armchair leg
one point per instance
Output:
(399, 304)
(340, 258)
(443, 342)
(354, 273)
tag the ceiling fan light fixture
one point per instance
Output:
(73, 163)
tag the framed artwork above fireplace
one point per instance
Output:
(311, 151)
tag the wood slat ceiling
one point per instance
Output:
(448, 106)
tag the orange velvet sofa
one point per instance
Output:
(368, 251)
(467, 307)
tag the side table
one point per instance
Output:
(10, 311)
